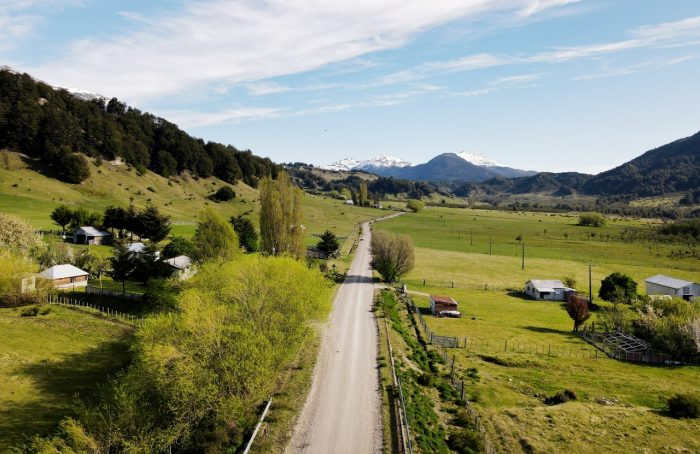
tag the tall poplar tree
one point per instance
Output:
(281, 217)
(364, 198)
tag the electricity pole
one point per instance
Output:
(590, 286)
(523, 267)
(489, 245)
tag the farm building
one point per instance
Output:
(181, 266)
(665, 285)
(439, 304)
(349, 202)
(91, 235)
(547, 290)
(65, 276)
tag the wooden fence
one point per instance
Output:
(116, 293)
(94, 309)
(401, 414)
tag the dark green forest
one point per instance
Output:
(57, 130)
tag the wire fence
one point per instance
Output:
(94, 309)
(116, 293)
(402, 415)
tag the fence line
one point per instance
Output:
(458, 385)
(257, 427)
(128, 319)
(402, 415)
(117, 293)
(495, 346)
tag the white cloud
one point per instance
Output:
(634, 69)
(672, 34)
(190, 118)
(232, 42)
(19, 18)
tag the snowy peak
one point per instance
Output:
(343, 165)
(478, 159)
(382, 161)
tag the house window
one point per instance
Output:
(73, 279)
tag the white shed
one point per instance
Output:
(548, 290)
(665, 285)
(181, 266)
(91, 235)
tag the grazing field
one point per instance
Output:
(620, 407)
(46, 360)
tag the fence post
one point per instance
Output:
(452, 372)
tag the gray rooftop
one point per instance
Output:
(92, 231)
(670, 282)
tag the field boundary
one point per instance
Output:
(94, 309)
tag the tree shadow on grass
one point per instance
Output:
(541, 329)
(60, 384)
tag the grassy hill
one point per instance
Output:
(33, 196)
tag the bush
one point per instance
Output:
(415, 205)
(425, 379)
(30, 312)
(591, 220)
(684, 406)
(560, 397)
(462, 419)
(618, 287)
(465, 441)
(224, 194)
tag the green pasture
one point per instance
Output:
(47, 360)
(545, 235)
(620, 406)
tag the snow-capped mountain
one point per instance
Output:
(478, 159)
(76, 92)
(377, 162)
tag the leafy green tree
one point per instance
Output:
(392, 255)
(618, 287)
(415, 205)
(123, 265)
(281, 228)
(328, 243)
(76, 168)
(179, 246)
(591, 219)
(214, 238)
(247, 235)
(116, 218)
(62, 216)
(148, 265)
(363, 197)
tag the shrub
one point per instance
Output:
(462, 419)
(560, 397)
(591, 219)
(415, 205)
(224, 194)
(425, 379)
(465, 441)
(618, 287)
(30, 311)
(45, 310)
(684, 406)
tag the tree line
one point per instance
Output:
(59, 130)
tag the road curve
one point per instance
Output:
(342, 411)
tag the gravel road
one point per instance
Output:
(342, 410)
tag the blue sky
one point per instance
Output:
(538, 84)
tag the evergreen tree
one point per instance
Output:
(152, 225)
(618, 287)
(247, 235)
(363, 196)
(328, 243)
(214, 238)
(123, 265)
(281, 228)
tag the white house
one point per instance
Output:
(548, 290)
(65, 276)
(665, 285)
(91, 235)
(181, 266)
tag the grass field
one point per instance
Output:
(620, 406)
(45, 361)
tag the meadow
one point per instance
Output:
(48, 360)
(620, 407)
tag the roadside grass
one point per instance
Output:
(49, 361)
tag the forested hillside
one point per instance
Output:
(672, 168)
(56, 129)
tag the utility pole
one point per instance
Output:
(489, 245)
(471, 237)
(523, 266)
(590, 286)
